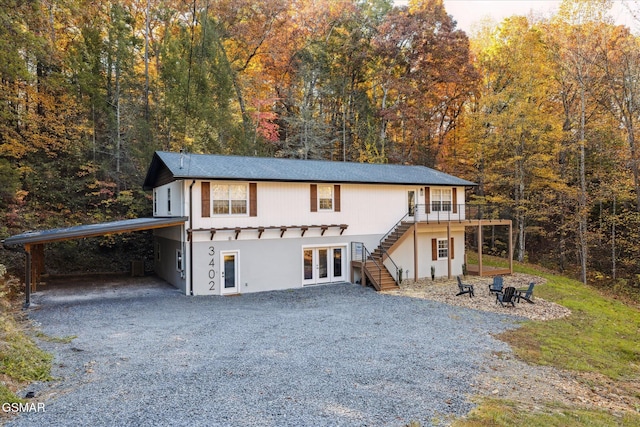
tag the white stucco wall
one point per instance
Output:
(403, 255)
(274, 261)
(174, 190)
(364, 208)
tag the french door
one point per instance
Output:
(323, 265)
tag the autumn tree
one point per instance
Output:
(574, 38)
(426, 77)
(514, 120)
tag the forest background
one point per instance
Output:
(542, 113)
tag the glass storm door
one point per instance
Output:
(411, 202)
(323, 265)
(337, 272)
(229, 272)
(308, 267)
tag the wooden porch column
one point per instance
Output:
(37, 265)
(480, 248)
(27, 273)
(450, 250)
(510, 247)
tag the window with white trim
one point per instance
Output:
(440, 200)
(169, 200)
(178, 260)
(443, 249)
(230, 199)
(155, 202)
(325, 197)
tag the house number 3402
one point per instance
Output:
(212, 271)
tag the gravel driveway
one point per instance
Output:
(337, 355)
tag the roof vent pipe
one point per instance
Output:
(181, 158)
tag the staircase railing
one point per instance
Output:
(443, 211)
(367, 256)
(394, 227)
(383, 250)
(364, 256)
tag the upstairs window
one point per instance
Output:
(168, 200)
(325, 197)
(440, 200)
(230, 199)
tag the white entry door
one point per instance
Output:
(323, 265)
(229, 271)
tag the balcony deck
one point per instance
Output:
(477, 216)
(474, 270)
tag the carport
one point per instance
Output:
(34, 241)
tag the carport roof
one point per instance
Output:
(93, 230)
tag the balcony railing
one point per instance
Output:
(439, 211)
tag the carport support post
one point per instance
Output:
(27, 271)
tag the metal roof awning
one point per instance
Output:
(34, 240)
(92, 230)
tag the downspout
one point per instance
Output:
(190, 237)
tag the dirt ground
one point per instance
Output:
(512, 379)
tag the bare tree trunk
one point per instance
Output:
(118, 138)
(634, 163)
(146, 65)
(613, 241)
(383, 125)
(582, 196)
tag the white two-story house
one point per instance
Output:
(259, 224)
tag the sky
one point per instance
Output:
(469, 12)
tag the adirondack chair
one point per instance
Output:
(496, 286)
(464, 288)
(508, 296)
(528, 294)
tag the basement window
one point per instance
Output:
(178, 260)
(443, 249)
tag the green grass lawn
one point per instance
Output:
(21, 361)
(602, 336)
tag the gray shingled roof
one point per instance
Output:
(205, 166)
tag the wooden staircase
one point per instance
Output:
(376, 272)
(378, 276)
(391, 239)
